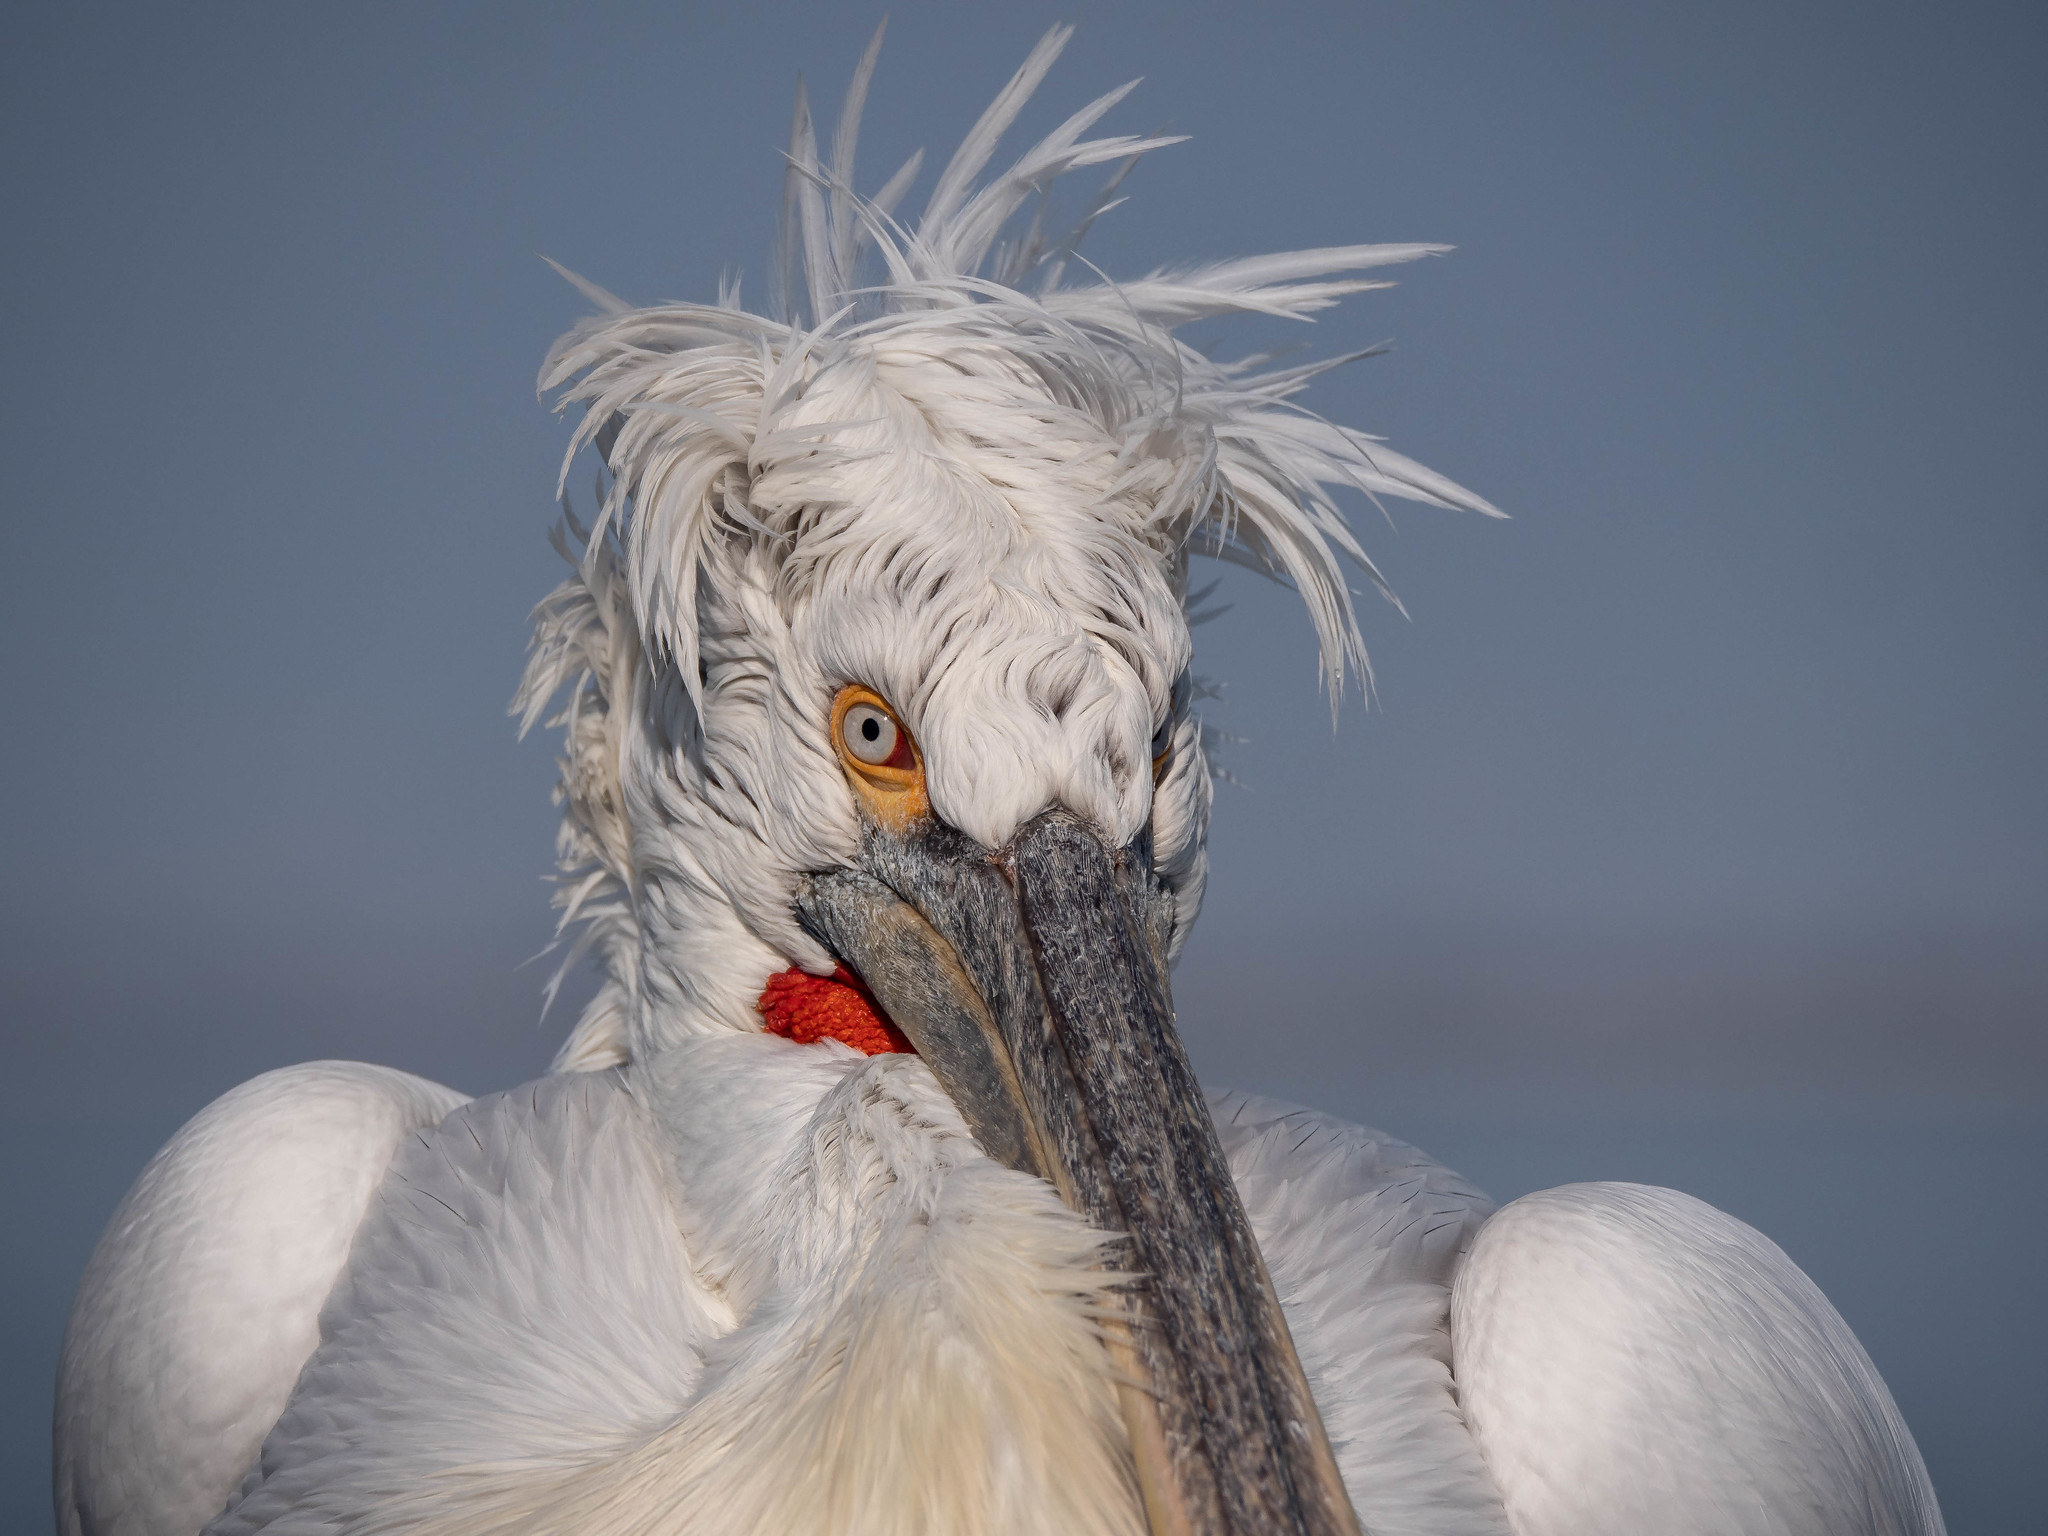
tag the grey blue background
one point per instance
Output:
(1696, 832)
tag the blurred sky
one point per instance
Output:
(1696, 832)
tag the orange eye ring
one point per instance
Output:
(879, 757)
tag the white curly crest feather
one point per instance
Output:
(693, 390)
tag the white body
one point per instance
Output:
(753, 1287)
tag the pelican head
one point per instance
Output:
(876, 657)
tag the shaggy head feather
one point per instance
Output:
(970, 484)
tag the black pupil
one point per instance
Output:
(871, 729)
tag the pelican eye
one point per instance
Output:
(870, 734)
(881, 761)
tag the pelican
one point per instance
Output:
(873, 1193)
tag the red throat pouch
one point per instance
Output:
(805, 1008)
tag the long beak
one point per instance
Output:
(1033, 981)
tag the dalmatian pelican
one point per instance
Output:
(873, 1193)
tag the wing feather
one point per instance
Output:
(1633, 1360)
(203, 1299)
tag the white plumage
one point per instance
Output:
(202, 1300)
(1634, 1359)
(706, 1280)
